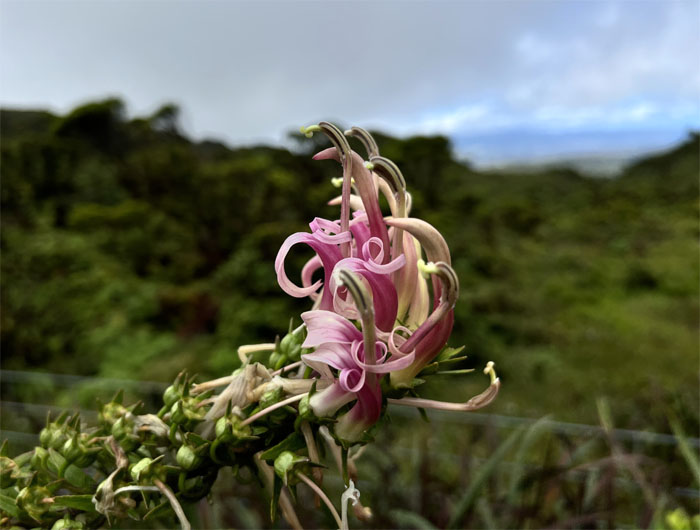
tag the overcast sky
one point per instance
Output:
(250, 71)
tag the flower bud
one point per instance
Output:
(287, 464)
(147, 469)
(187, 458)
(39, 458)
(67, 524)
(123, 432)
(8, 472)
(35, 501)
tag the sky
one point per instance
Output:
(505, 79)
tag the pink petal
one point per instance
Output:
(383, 292)
(329, 232)
(307, 273)
(329, 255)
(374, 260)
(326, 326)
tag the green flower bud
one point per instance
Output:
(170, 396)
(123, 432)
(34, 500)
(111, 412)
(187, 412)
(274, 359)
(287, 464)
(8, 472)
(147, 469)
(287, 343)
(187, 458)
(305, 410)
(39, 458)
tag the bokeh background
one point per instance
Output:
(151, 170)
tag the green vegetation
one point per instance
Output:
(130, 251)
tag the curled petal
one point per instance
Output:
(327, 326)
(307, 272)
(329, 255)
(406, 279)
(399, 362)
(329, 232)
(352, 380)
(395, 348)
(374, 260)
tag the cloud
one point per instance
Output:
(247, 71)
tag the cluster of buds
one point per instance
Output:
(381, 315)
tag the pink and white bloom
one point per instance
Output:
(371, 274)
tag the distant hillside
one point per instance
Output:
(131, 251)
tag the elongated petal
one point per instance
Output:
(407, 277)
(435, 246)
(366, 187)
(360, 233)
(355, 202)
(365, 413)
(329, 400)
(327, 326)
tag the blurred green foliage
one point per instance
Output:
(130, 250)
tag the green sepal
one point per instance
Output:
(448, 353)
(159, 510)
(76, 502)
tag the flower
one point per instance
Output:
(340, 346)
(372, 274)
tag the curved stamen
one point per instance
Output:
(475, 403)
(366, 139)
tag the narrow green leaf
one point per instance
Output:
(77, 502)
(293, 442)
(533, 433)
(9, 505)
(78, 478)
(691, 457)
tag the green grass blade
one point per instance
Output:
(690, 456)
(481, 476)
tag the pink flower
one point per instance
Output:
(339, 346)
